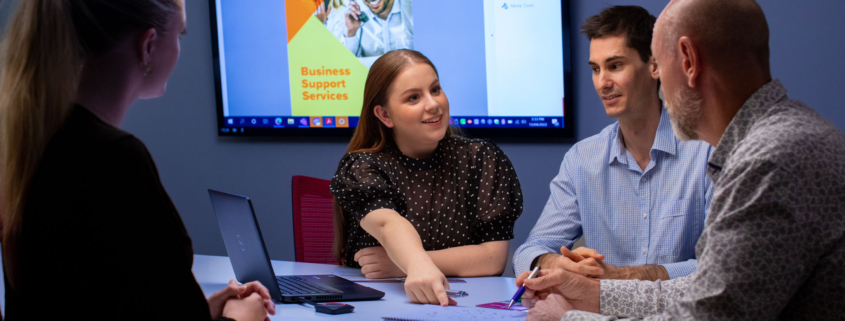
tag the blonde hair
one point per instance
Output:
(44, 47)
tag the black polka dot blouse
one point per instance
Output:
(466, 193)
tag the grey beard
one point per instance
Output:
(684, 112)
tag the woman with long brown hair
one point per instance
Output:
(88, 230)
(412, 198)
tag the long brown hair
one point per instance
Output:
(45, 45)
(371, 135)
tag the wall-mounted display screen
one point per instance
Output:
(299, 66)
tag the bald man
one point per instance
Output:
(773, 246)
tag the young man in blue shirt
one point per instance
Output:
(637, 194)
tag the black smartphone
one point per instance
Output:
(362, 17)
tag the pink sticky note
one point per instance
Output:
(503, 305)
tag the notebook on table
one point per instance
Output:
(430, 312)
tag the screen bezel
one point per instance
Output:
(568, 130)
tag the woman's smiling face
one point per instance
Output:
(417, 108)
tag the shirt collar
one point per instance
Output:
(751, 111)
(664, 140)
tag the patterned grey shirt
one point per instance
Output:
(773, 246)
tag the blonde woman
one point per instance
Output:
(88, 230)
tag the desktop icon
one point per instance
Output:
(554, 122)
(265, 121)
(483, 122)
(524, 121)
(242, 121)
(303, 122)
(496, 121)
(463, 121)
(475, 121)
(342, 121)
(510, 121)
(328, 121)
(254, 121)
(469, 121)
(291, 121)
(234, 130)
(316, 121)
(451, 121)
(231, 121)
(278, 121)
(503, 121)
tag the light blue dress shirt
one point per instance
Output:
(378, 36)
(632, 217)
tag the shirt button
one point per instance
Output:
(645, 215)
(644, 251)
(643, 179)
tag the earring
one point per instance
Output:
(146, 68)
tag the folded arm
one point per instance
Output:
(485, 259)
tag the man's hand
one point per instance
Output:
(590, 263)
(322, 12)
(376, 264)
(551, 309)
(352, 22)
(581, 292)
(582, 260)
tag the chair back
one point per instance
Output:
(313, 224)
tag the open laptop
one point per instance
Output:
(251, 263)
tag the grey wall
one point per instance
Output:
(180, 128)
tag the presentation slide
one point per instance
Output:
(303, 63)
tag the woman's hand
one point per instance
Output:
(427, 285)
(249, 308)
(218, 300)
(376, 264)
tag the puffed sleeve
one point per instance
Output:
(362, 185)
(499, 195)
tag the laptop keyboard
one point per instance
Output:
(294, 285)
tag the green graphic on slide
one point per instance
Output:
(326, 79)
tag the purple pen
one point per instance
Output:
(522, 288)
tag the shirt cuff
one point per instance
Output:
(523, 260)
(576, 315)
(626, 299)
(679, 269)
(352, 43)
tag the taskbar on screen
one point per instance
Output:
(236, 124)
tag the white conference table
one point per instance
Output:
(214, 272)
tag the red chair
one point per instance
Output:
(313, 228)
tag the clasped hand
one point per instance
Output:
(242, 302)
(584, 261)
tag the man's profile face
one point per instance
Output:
(622, 80)
(682, 103)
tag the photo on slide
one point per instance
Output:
(368, 28)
